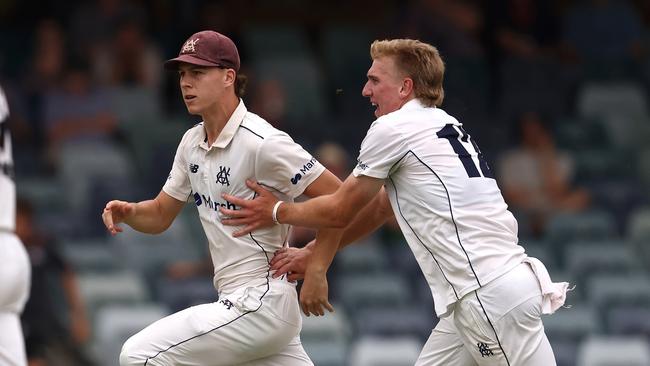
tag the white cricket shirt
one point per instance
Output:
(247, 148)
(7, 184)
(448, 206)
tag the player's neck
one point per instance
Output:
(216, 118)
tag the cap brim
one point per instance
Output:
(189, 59)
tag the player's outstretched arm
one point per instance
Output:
(151, 217)
(293, 261)
(333, 210)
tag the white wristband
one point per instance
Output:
(274, 215)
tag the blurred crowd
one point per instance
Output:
(554, 92)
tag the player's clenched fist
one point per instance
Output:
(115, 213)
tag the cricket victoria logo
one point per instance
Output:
(190, 46)
(303, 171)
(222, 176)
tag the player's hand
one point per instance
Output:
(313, 294)
(291, 261)
(252, 214)
(117, 212)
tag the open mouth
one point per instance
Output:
(190, 97)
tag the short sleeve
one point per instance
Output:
(178, 182)
(382, 147)
(283, 164)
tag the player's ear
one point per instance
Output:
(406, 88)
(229, 76)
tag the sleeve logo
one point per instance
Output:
(303, 171)
(361, 165)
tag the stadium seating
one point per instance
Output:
(359, 291)
(116, 323)
(82, 165)
(325, 338)
(394, 351)
(411, 320)
(565, 228)
(621, 106)
(271, 41)
(574, 323)
(584, 259)
(629, 320)
(367, 257)
(614, 351)
(638, 233)
(90, 255)
(101, 289)
(149, 254)
(180, 294)
(605, 291)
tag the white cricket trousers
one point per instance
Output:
(498, 324)
(15, 275)
(257, 326)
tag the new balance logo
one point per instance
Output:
(194, 168)
(296, 179)
(484, 349)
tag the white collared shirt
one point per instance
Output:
(7, 184)
(248, 147)
(448, 206)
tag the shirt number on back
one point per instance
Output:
(456, 140)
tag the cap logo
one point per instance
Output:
(190, 45)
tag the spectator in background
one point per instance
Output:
(55, 330)
(604, 35)
(524, 44)
(269, 99)
(129, 59)
(42, 75)
(77, 111)
(536, 177)
(93, 23)
(525, 29)
(454, 26)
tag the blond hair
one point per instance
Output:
(419, 61)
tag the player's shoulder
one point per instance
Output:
(193, 135)
(257, 127)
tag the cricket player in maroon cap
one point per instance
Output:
(256, 320)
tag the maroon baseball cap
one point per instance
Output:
(207, 48)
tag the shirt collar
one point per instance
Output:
(414, 103)
(228, 131)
